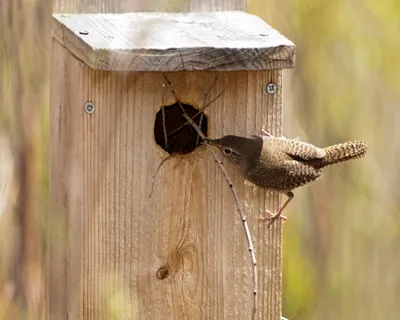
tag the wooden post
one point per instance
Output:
(115, 251)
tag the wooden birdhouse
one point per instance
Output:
(135, 236)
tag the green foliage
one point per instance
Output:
(341, 255)
(345, 86)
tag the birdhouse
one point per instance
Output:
(143, 223)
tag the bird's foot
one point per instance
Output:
(272, 217)
(275, 216)
(265, 133)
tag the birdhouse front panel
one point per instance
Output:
(144, 225)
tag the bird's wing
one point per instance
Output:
(299, 149)
(284, 175)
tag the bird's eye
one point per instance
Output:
(227, 151)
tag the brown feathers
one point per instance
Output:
(282, 164)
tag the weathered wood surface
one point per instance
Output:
(231, 40)
(6, 174)
(105, 265)
(118, 6)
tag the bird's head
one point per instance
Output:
(238, 149)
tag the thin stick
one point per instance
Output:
(240, 211)
(199, 112)
(200, 123)
(164, 128)
(183, 64)
(208, 91)
(235, 196)
(155, 175)
(204, 103)
(162, 163)
(163, 119)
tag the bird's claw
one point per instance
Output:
(272, 217)
(267, 134)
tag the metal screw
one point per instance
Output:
(271, 88)
(89, 107)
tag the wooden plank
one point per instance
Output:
(119, 6)
(118, 238)
(231, 40)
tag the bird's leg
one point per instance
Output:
(265, 133)
(279, 213)
(273, 217)
(270, 214)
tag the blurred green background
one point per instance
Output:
(341, 244)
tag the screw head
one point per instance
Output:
(89, 107)
(271, 88)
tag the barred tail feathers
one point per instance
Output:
(343, 152)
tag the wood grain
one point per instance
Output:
(231, 40)
(106, 263)
(119, 6)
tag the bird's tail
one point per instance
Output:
(343, 152)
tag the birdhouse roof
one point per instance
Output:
(144, 41)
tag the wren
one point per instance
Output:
(281, 164)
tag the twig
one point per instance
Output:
(183, 64)
(162, 163)
(208, 92)
(163, 121)
(199, 112)
(240, 211)
(204, 104)
(200, 123)
(235, 196)
(164, 128)
(155, 175)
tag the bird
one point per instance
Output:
(282, 164)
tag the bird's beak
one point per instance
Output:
(213, 142)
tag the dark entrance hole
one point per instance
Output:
(180, 138)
